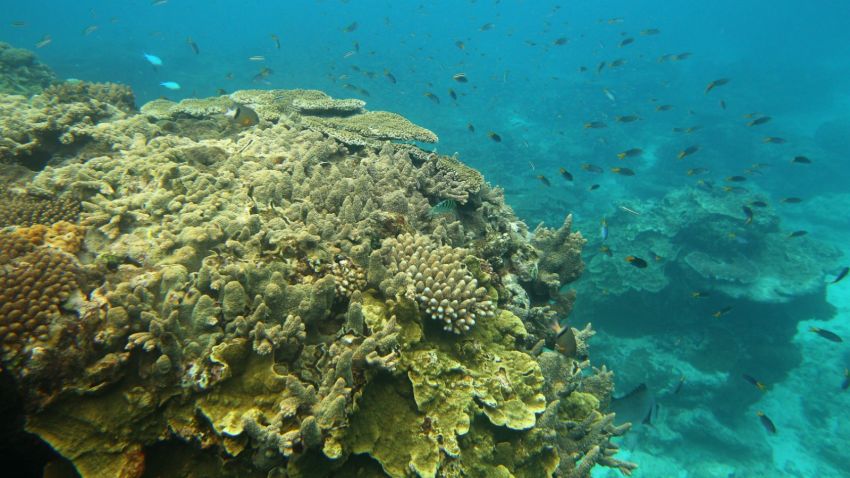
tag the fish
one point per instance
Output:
(650, 31)
(630, 153)
(18, 23)
(766, 422)
(626, 118)
(714, 84)
(171, 85)
(696, 171)
(565, 174)
(606, 250)
(759, 121)
(734, 189)
(159, 2)
(799, 233)
(698, 294)
(663, 107)
(595, 125)
(89, 30)
(630, 211)
(736, 179)
(722, 104)
(460, 44)
(749, 378)
(841, 275)
(560, 41)
(471, 128)
(623, 171)
(846, 383)
(257, 58)
(276, 41)
(791, 200)
(593, 187)
(485, 27)
(494, 136)
(389, 76)
(565, 340)
(591, 168)
(221, 91)
(193, 45)
(687, 151)
(264, 72)
(801, 160)
(626, 41)
(153, 59)
(544, 180)
(637, 406)
(432, 97)
(827, 334)
(446, 207)
(759, 203)
(748, 212)
(600, 67)
(681, 56)
(603, 229)
(656, 257)
(637, 262)
(45, 40)
(773, 140)
(243, 116)
(460, 77)
(350, 28)
(609, 94)
(720, 313)
(453, 94)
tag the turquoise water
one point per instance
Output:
(784, 60)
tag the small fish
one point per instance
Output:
(609, 94)
(748, 212)
(697, 294)
(460, 77)
(766, 422)
(623, 171)
(595, 125)
(799, 233)
(560, 41)
(603, 229)
(637, 262)
(752, 380)
(264, 72)
(650, 31)
(626, 41)
(453, 94)
(696, 171)
(841, 275)
(734, 189)
(759, 121)
(630, 153)
(485, 27)
(221, 91)
(276, 41)
(681, 56)
(593, 187)
(243, 116)
(846, 383)
(720, 313)
(759, 203)
(626, 118)
(193, 45)
(45, 40)
(159, 2)
(714, 84)
(687, 151)
(801, 160)
(460, 44)
(591, 168)
(257, 58)
(663, 107)
(90, 29)
(606, 250)
(171, 85)
(736, 179)
(773, 140)
(494, 136)
(349, 54)
(446, 207)
(791, 200)
(656, 257)
(630, 211)
(722, 105)
(471, 128)
(565, 341)
(153, 59)
(432, 97)
(18, 23)
(565, 174)
(544, 180)
(828, 335)
(600, 67)
(679, 385)
(390, 76)
(350, 28)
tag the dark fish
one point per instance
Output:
(754, 382)
(350, 28)
(221, 91)
(736, 179)
(766, 422)
(595, 125)
(460, 44)
(193, 45)
(265, 72)
(846, 383)
(714, 84)
(637, 262)
(276, 41)
(544, 180)
(760, 120)
(623, 171)
(626, 41)
(390, 76)
(759, 203)
(798, 233)
(606, 250)
(650, 31)
(630, 153)
(681, 56)
(696, 171)
(485, 27)
(828, 335)
(565, 341)
(698, 294)
(593, 187)
(591, 168)
(773, 140)
(679, 385)
(432, 97)
(566, 174)
(734, 189)
(471, 127)
(18, 23)
(841, 274)
(582, 69)
(460, 77)
(626, 118)
(243, 116)
(656, 257)
(495, 137)
(663, 107)
(801, 160)
(720, 313)
(722, 104)
(560, 41)
(452, 94)
(748, 213)
(600, 67)
(791, 200)
(688, 151)
(637, 406)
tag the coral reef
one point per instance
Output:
(27, 210)
(22, 73)
(273, 298)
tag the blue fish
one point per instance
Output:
(153, 59)
(603, 229)
(171, 85)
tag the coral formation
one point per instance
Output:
(22, 73)
(257, 295)
(27, 209)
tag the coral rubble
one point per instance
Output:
(264, 296)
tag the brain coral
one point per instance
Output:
(28, 210)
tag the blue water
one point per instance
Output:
(785, 59)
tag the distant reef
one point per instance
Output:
(21, 73)
(307, 295)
